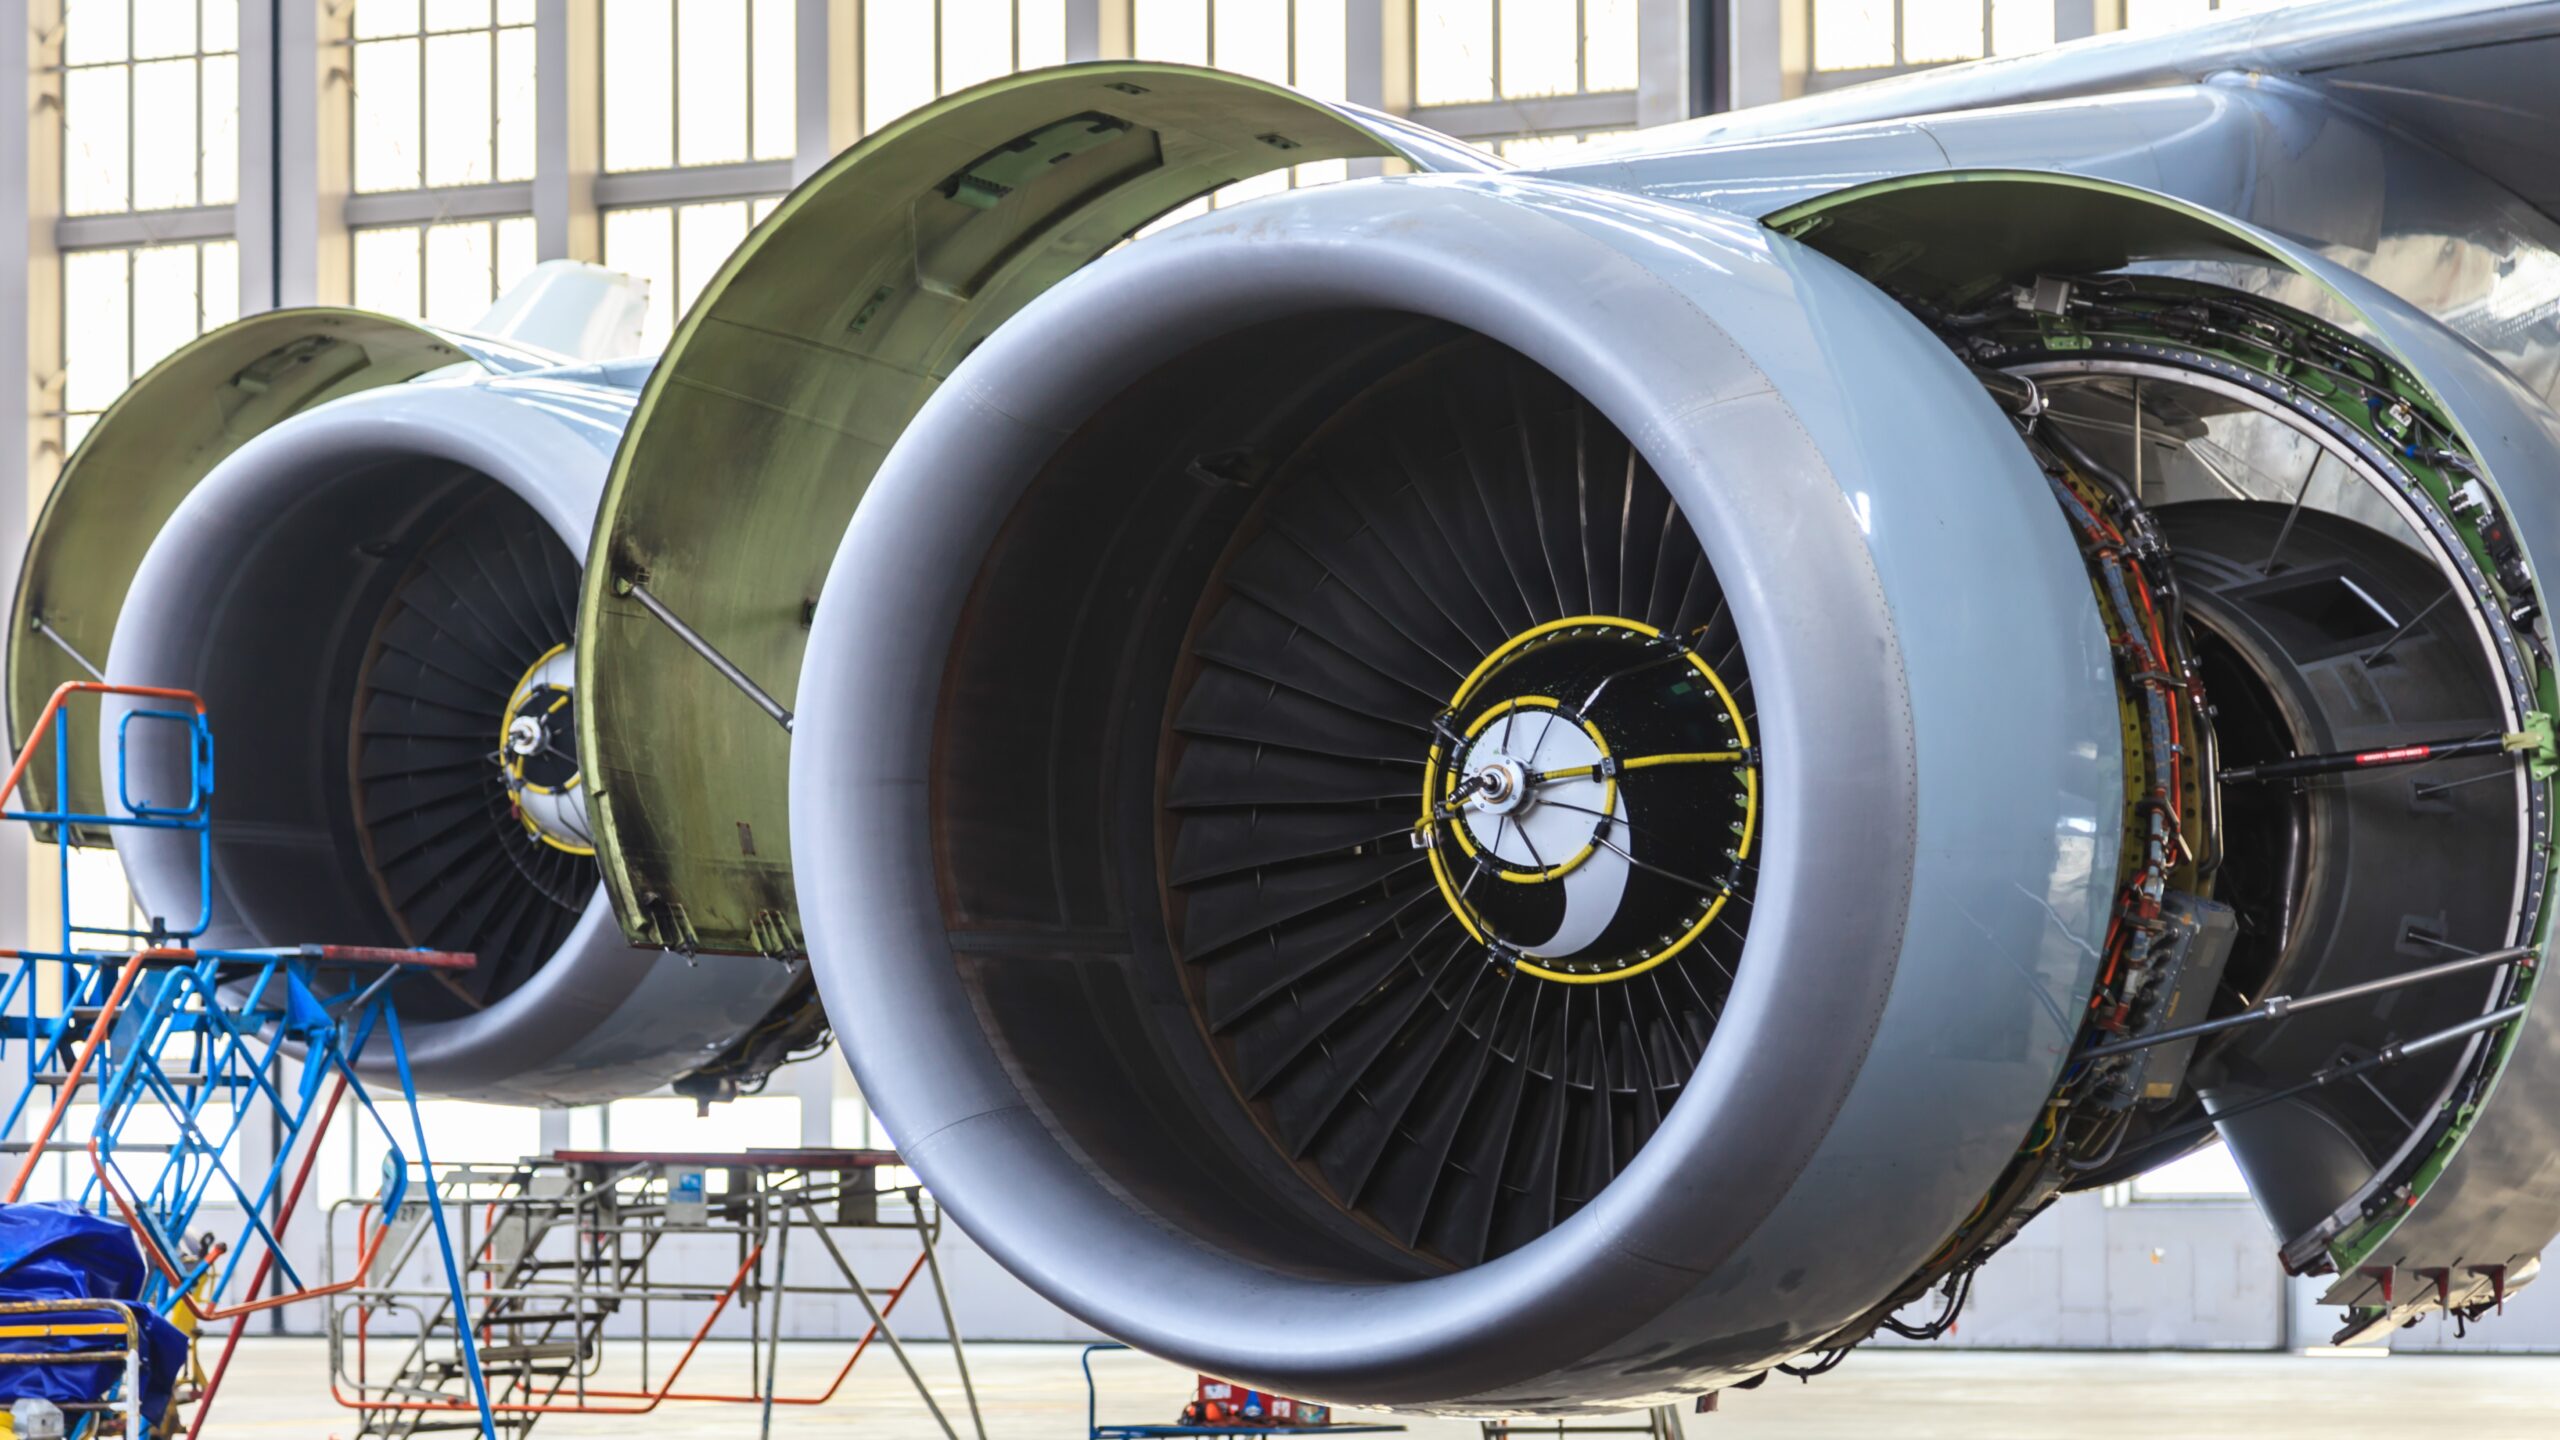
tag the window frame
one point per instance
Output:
(759, 206)
(498, 278)
(603, 98)
(498, 25)
(66, 68)
(941, 17)
(1817, 79)
(58, 410)
(1490, 121)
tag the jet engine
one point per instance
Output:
(366, 562)
(1508, 791)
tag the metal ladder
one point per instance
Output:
(171, 1051)
(561, 1245)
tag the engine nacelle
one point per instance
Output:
(1219, 557)
(373, 585)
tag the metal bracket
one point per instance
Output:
(65, 646)
(2536, 744)
(711, 655)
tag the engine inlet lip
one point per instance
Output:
(1482, 254)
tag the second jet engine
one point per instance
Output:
(363, 553)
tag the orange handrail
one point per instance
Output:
(859, 1346)
(666, 1392)
(160, 1259)
(64, 692)
(258, 1277)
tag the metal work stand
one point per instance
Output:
(166, 1054)
(564, 1247)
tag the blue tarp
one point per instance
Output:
(61, 1252)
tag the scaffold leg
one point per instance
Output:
(950, 1324)
(463, 1336)
(880, 1325)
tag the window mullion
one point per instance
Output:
(132, 144)
(1582, 46)
(132, 321)
(195, 121)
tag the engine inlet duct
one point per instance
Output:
(1407, 719)
(1464, 1022)
(375, 591)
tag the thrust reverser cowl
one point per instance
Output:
(151, 447)
(1038, 1012)
(793, 375)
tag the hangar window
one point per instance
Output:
(1296, 42)
(132, 307)
(677, 249)
(444, 274)
(697, 82)
(150, 104)
(2208, 1174)
(1856, 40)
(1299, 43)
(2170, 14)
(1466, 51)
(443, 93)
(1867, 35)
(63, 1172)
(920, 50)
(351, 1154)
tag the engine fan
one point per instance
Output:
(487, 606)
(1461, 804)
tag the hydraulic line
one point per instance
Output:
(2416, 752)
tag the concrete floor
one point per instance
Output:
(1033, 1392)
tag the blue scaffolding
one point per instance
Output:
(183, 1045)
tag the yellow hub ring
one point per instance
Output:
(1439, 781)
(514, 764)
(1608, 802)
